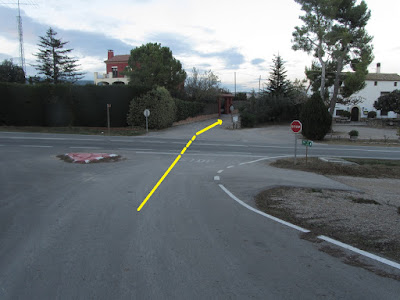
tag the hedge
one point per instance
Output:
(65, 104)
(187, 109)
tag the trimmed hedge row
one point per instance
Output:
(73, 105)
(65, 105)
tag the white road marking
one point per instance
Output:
(42, 138)
(36, 146)
(85, 147)
(260, 212)
(229, 167)
(220, 171)
(135, 149)
(264, 158)
(152, 152)
(361, 252)
(216, 178)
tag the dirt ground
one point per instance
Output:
(368, 219)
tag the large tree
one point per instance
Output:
(278, 85)
(202, 87)
(334, 32)
(9, 72)
(54, 61)
(389, 102)
(151, 65)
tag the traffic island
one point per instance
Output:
(87, 158)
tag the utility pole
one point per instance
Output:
(235, 84)
(259, 84)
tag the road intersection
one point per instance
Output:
(72, 231)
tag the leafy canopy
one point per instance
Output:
(334, 32)
(53, 60)
(202, 87)
(152, 65)
(389, 102)
(9, 72)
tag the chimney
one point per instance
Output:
(378, 68)
(110, 54)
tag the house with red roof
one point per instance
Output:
(115, 65)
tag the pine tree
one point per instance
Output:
(278, 85)
(54, 62)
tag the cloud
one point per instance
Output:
(257, 61)
(232, 57)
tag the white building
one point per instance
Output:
(115, 65)
(377, 84)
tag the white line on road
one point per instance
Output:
(229, 167)
(216, 178)
(135, 149)
(260, 212)
(152, 152)
(36, 146)
(361, 252)
(322, 237)
(220, 171)
(85, 147)
(264, 158)
(60, 139)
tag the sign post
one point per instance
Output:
(307, 144)
(296, 127)
(108, 118)
(147, 114)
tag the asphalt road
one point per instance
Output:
(71, 231)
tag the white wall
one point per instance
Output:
(371, 93)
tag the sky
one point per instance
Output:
(224, 36)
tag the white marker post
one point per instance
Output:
(296, 127)
(147, 114)
(108, 118)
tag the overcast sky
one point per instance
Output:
(221, 35)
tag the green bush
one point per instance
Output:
(315, 118)
(161, 105)
(187, 109)
(346, 114)
(353, 133)
(247, 119)
(372, 114)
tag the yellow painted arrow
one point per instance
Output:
(219, 122)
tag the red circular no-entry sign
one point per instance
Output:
(296, 126)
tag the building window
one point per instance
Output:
(115, 72)
(376, 83)
(339, 112)
(395, 84)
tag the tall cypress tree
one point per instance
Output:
(278, 85)
(54, 62)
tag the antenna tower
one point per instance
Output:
(20, 31)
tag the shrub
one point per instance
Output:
(247, 119)
(353, 133)
(161, 105)
(346, 114)
(187, 109)
(315, 118)
(371, 114)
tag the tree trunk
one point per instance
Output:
(336, 85)
(323, 72)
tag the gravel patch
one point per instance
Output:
(368, 220)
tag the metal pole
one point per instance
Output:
(147, 125)
(306, 153)
(295, 147)
(235, 84)
(259, 84)
(108, 119)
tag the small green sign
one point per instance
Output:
(307, 143)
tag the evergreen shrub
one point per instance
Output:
(187, 109)
(161, 105)
(315, 118)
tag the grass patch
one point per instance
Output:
(119, 131)
(369, 168)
